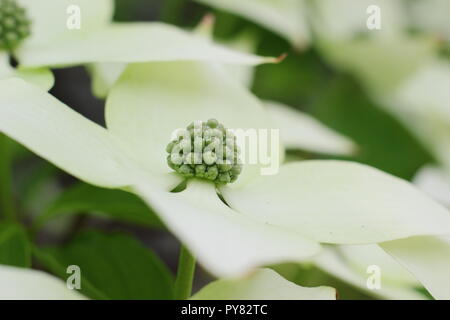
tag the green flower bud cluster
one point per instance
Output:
(14, 25)
(205, 150)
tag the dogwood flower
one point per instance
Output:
(27, 284)
(263, 219)
(65, 33)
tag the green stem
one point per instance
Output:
(6, 195)
(185, 274)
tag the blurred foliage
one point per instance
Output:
(114, 266)
(304, 81)
(15, 249)
(383, 141)
(115, 204)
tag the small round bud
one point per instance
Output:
(186, 170)
(209, 158)
(212, 123)
(198, 144)
(14, 25)
(224, 167)
(217, 133)
(224, 178)
(200, 170)
(193, 158)
(170, 146)
(236, 170)
(185, 145)
(182, 134)
(212, 173)
(207, 135)
(170, 162)
(176, 158)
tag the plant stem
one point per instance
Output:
(6, 195)
(185, 274)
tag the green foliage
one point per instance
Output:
(383, 141)
(340, 102)
(7, 207)
(112, 267)
(116, 204)
(15, 248)
(297, 81)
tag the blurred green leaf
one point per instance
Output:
(113, 266)
(296, 81)
(36, 185)
(116, 204)
(304, 81)
(15, 249)
(383, 141)
(52, 264)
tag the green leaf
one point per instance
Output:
(113, 266)
(14, 246)
(38, 185)
(116, 204)
(382, 140)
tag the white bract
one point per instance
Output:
(284, 17)
(359, 264)
(264, 284)
(268, 219)
(382, 58)
(431, 16)
(26, 284)
(436, 182)
(61, 37)
(299, 130)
